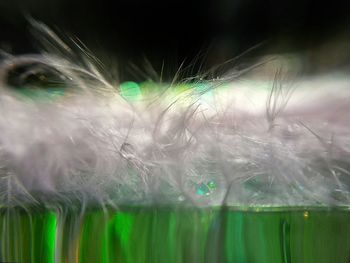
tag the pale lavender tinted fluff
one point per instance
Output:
(284, 145)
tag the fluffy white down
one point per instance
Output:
(283, 146)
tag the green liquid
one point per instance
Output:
(176, 235)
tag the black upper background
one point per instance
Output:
(128, 31)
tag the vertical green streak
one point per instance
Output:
(27, 236)
(123, 225)
(175, 235)
(44, 236)
(50, 241)
(235, 249)
(285, 240)
(92, 244)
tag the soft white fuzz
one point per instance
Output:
(281, 145)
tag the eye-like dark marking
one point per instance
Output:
(34, 75)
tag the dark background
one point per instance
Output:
(127, 32)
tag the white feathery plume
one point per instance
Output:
(236, 144)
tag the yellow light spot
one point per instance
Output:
(306, 214)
